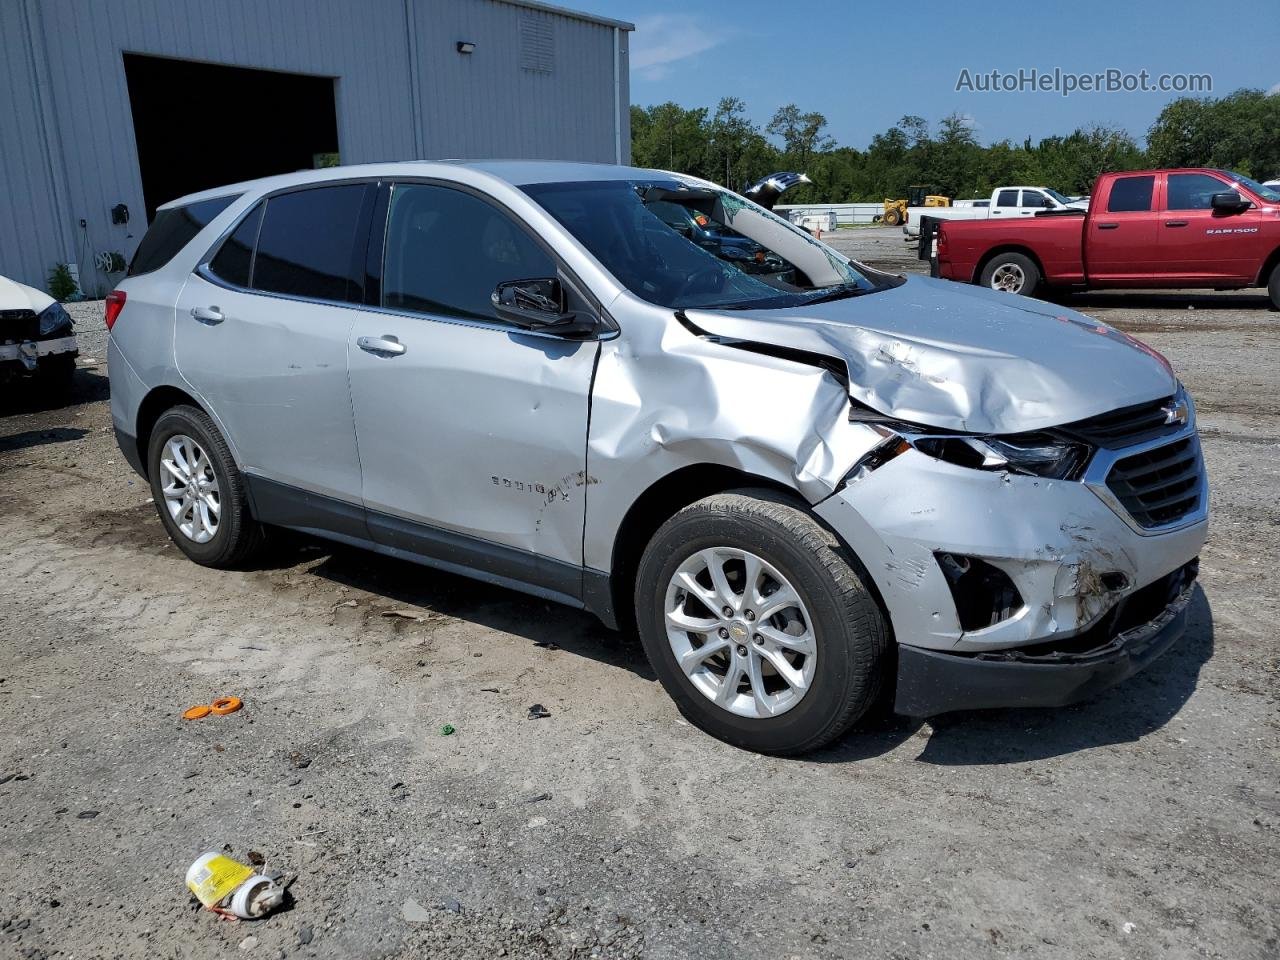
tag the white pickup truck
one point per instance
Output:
(1005, 203)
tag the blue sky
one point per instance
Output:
(865, 63)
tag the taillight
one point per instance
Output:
(115, 303)
(942, 238)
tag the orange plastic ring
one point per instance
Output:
(224, 705)
(196, 712)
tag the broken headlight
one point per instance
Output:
(1037, 454)
(53, 318)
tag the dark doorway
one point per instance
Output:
(199, 125)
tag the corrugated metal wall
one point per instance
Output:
(403, 91)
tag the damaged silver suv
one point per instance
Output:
(807, 483)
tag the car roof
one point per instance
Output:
(515, 172)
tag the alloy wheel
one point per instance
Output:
(1008, 278)
(740, 632)
(190, 488)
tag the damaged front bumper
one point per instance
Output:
(28, 354)
(1054, 674)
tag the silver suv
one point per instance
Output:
(807, 483)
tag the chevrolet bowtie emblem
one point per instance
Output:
(1177, 412)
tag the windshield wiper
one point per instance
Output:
(841, 292)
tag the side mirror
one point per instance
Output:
(1229, 202)
(538, 305)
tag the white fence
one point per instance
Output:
(846, 213)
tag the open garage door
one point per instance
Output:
(199, 125)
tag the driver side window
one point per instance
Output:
(447, 250)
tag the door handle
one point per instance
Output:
(387, 345)
(1108, 226)
(210, 315)
(1175, 223)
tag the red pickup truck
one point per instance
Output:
(1145, 228)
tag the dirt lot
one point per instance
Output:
(1145, 823)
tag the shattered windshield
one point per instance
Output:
(683, 246)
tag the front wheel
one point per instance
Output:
(1011, 273)
(757, 625)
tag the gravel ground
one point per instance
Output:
(1143, 823)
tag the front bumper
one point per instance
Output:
(30, 352)
(931, 682)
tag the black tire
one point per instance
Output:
(1016, 262)
(850, 631)
(1273, 287)
(239, 536)
(892, 217)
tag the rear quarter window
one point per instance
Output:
(307, 245)
(172, 230)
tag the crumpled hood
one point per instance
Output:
(960, 357)
(18, 296)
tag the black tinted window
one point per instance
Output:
(447, 251)
(306, 246)
(1007, 198)
(235, 256)
(1194, 191)
(1131, 194)
(1032, 199)
(172, 230)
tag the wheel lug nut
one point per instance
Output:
(728, 611)
(724, 634)
(742, 651)
(751, 614)
(758, 639)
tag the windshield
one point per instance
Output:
(1270, 194)
(682, 246)
(1057, 196)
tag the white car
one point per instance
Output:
(36, 335)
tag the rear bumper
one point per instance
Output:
(931, 682)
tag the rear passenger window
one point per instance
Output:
(235, 257)
(447, 251)
(172, 230)
(1131, 194)
(1007, 198)
(307, 244)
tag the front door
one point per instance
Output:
(1200, 245)
(472, 432)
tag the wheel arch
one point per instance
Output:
(152, 408)
(1273, 261)
(1005, 248)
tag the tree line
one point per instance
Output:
(1239, 132)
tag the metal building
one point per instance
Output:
(111, 107)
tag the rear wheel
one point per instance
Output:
(1011, 273)
(198, 492)
(1273, 287)
(757, 625)
(892, 217)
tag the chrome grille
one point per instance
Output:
(1161, 485)
(1125, 427)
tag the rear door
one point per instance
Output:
(1120, 233)
(472, 431)
(1005, 205)
(261, 335)
(1199, 245)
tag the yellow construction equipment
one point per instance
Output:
(895, 211)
